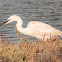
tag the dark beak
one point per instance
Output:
(4, 23)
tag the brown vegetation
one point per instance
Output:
(36, 51)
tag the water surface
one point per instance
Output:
(47, 11)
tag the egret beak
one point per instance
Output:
(6, 22)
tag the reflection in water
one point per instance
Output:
(48, 11)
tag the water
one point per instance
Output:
(47, 11)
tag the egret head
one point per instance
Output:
(11, 19)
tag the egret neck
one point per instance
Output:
(20, 28)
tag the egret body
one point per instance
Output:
(34, 28)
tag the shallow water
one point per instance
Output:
(47, 11)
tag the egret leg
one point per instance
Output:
(17, 33)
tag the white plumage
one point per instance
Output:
(34, 28)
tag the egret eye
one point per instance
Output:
(8, 20)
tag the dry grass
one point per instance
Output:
(36, 51)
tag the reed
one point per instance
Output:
(27, 51)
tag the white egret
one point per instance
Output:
(34, 28)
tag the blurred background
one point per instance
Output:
(47, 11)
